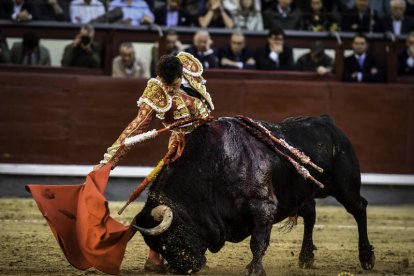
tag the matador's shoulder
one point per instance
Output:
(155, 96)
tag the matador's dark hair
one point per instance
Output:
(169, 68)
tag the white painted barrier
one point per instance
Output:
(141, 172)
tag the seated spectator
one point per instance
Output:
(172, 15)
(214, 15)
(406, 57)
(201, 49)
(237, 55)
(275, 55)
(19, 10)
(83, 51)
(172, 46)
(316, 60)
(247, 16)
(318, 20)
(4, 50)
(361, 66)
(361, 18)
(135, 12)
(53, 10)
(29, 51)
(397, 23)
(282, 15)
(84, 11)
(127, 65)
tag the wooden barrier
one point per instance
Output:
(72, 119)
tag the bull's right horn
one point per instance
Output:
(161, 213)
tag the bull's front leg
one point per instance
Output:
(263, 216)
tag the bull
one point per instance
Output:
(228, 185)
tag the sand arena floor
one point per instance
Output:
(29, 248)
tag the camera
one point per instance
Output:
(85, 40)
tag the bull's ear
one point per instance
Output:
(161, 213)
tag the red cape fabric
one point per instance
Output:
(79, 218)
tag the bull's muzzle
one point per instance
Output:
(161, 213)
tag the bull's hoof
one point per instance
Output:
(306, 257)
(254, 270)
(367, 258)
(151, 267)
(306, 260)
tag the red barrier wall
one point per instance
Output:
(70, 119)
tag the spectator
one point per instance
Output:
(275, 55)
(247, 16)
(318, 20)
(172, 15)
(406, 57)
(361, 66)
(135, 12)
(201, 49)
(172, 46)
(53, 10)
(19, 10)
(362, 18)
(4, 50)
(214, 15)
(83, 51)
(236, 55)
(397, 23)
(84, 11)
(282, 15)
(316, 60)
(29, 51)
(127, 65)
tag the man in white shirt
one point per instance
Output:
(135, 12)
(127, 65)
(84, 11)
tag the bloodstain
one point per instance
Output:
(47, 193)
(68, 214)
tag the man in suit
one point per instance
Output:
(172, 15)
(18, 10)
(396, 22)
(29, 51)
(361, 18)
(406, 57)
(361, 66)
(282, 14)
(201, 49)
(275, 55)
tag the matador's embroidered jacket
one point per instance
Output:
(159, 100)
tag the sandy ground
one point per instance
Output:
(29, 248)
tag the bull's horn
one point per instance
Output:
(161, 213)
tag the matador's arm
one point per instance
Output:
(139, 125)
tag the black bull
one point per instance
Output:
(228, 185)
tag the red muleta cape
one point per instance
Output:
(79, 218)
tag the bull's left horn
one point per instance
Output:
(161, 213)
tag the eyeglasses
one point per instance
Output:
(237, 42)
